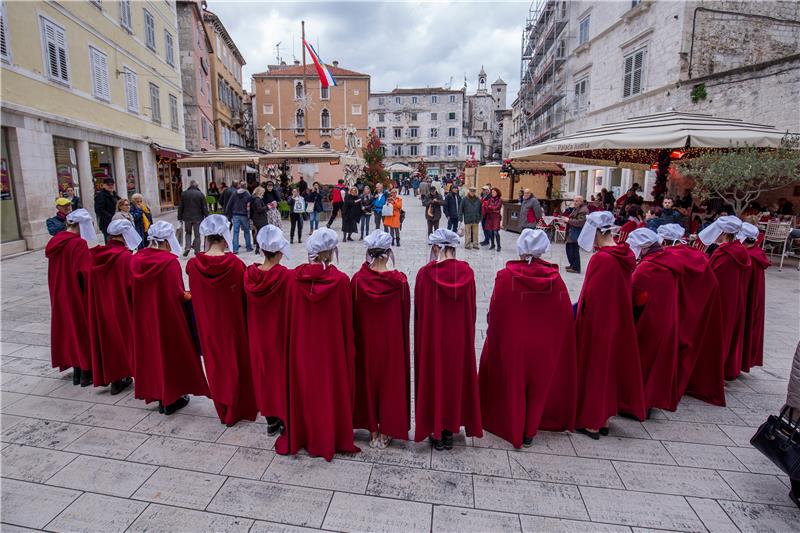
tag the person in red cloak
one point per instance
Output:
(268, 286)
(216, 279)
(656, 310)
(167, 364)
(609, 368)
(731, 265)
(110, 320)
(68, 266)
(445, 378)
(526, 386)
(753, 350)
(321, 360)
(701, 359)
(381, 311)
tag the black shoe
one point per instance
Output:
(527, 442)
(492, 247)
(76, 375)
(447, 439)
(591, 434)
(160, 407)
(86, 378)
(300, 241)
(604, 432)
(498, 248)
(186, 253)
(273, 426)
(120, 385)
(438, 444)
(180, 403)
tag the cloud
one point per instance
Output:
(399, 44)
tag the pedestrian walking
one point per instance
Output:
(272, 197)
(530, 210)
(492, 209)
(433, 202)
(337, 200)
(471, 212)
(258, 213)
(424, 188)
(226, 194)
(351, 213)
(237, 210)
(297, 212)
(105, 205)
(575, 222)
(366, 212)
(393, 221)
(191, 211)
(452, 208)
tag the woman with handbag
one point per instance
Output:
(258, 212)
(391, 216)
(314, 207)
(271, 199)
(366, 211)
(297, 213)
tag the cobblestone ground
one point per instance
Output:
(79, 459)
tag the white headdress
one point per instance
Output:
(442, 238)
(270, 239)
(217, 225)
(379, 240)
(641, 239)
(124, 227)
(83, 219)
(727, 224)
(322, 240)
(164, 231)
(671, 232)
(532, 243)
(599, 220)
(748, 231)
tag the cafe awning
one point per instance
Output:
(229, 155)
(308, 153)
(636, 142)
(399, 167)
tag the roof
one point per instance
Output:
(294, 71)
(482, 72)
(423, 90)
(499, 81)
(211, 18)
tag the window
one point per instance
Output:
(208, 92)
(581, 95)
(55, 48)
(125, 14)
(299, 121)
(413, 132)
(397, 117)
(356, 92)
(434, 132)
(5, 49)
(451, 132)
(452, 99)
(131, 90)
(398, 133)
(356, 109)
(470, 149)
(267, 109)
(397, 150)
(324, 93)
(149, 30)
(325, 121)
(583, 30)
(381, 117)
(452, 150)
(414, 100)
(561, 52)
(204, 127)
(571, 180)
(413, 150)
(433, 150)
(381, 101)
(173, 112)
(434, 116)
(413, 117)
(381, 133)
(98, 62)
(633, 82)
(635, 3)
(434, 99)
(398, 100)
(155, 104)
(169, 48)
(298, 90)
(451, 116)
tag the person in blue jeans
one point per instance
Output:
(236, 209)
(314, 196)
(378, 203)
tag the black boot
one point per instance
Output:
(180, 403)
(438, 444)
(273, 425)
(86, 378)
(447, 439)
(527, 442)
(497, 239)
(491, 241)
(76, 375)
(120, 385)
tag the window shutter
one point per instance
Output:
(4, 48)
(56, 47)
(626, 88)
(131, 91)
(99, 74)
(638, 63)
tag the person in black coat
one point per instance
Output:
(105, 205)
(258, 212)
(351, 213)
(226, 195)
(452, 208)
(433, 202)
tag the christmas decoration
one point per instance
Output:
(373, 155)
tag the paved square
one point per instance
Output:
(79, 459)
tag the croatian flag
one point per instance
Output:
(325, 77)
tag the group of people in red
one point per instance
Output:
(640, 336)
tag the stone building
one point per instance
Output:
(90, 90)
(584, 64)
(485, 116)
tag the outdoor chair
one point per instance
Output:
(777, 236)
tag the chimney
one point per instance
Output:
(335, 63)
(296, 61)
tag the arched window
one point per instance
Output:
(300, 120)
(325, 119)
(298, 89)
(326, 145)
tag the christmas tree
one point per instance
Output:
(373, 155)
(422, 169)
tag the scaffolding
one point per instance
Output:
(542, 82)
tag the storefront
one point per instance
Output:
(66, 165)
(131, 171)
(101, 159)
(170, 185)
(9, 221)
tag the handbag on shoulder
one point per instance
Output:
(779, 440)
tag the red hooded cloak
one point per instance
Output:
(609, 369)
(268, 326)
(731, 265)
(321, 359)
(528, 364)
(381, 313)
(167, 365)
(655, 297)
(753, 351)
(445, 377)
(69, 262)
(217, 285)
(110, 320)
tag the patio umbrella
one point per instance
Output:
(636, 142)
(222, 155)
(307, 153)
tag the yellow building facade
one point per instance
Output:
(226, 83)
(89, 90)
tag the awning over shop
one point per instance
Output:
(168, 153)
(308, 153)
(230, 155)
(635, 143)
(399, 167)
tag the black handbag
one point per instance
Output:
(779, 440)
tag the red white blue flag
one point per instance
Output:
(325, 76)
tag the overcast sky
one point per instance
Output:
(399, 44)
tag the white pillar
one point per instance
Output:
(649, 181)
(85, 178)
(627, 180)
(607, 176)
(119, 172)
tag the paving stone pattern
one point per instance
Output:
(79, 459)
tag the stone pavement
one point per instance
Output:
(78, 459)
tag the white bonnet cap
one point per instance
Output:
(83, 219)
(379, 240)
(641, 239)
(164, 231)
(727, 224)
(441, 238)
(124, 227)
(599, 220)
(748, 231)
(322, 240)
(671, 232)
(271, 239)
(532, 243)
(217, 225)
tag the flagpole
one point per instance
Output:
(305, 92)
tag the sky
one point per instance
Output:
(399, 44)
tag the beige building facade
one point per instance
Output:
(289, 109)
(89, 90)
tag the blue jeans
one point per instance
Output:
(314, 221)
(241, 221)
(452, 224)
(378, 219)
(365, 220)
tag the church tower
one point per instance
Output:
(499, 94)
(482, 81)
